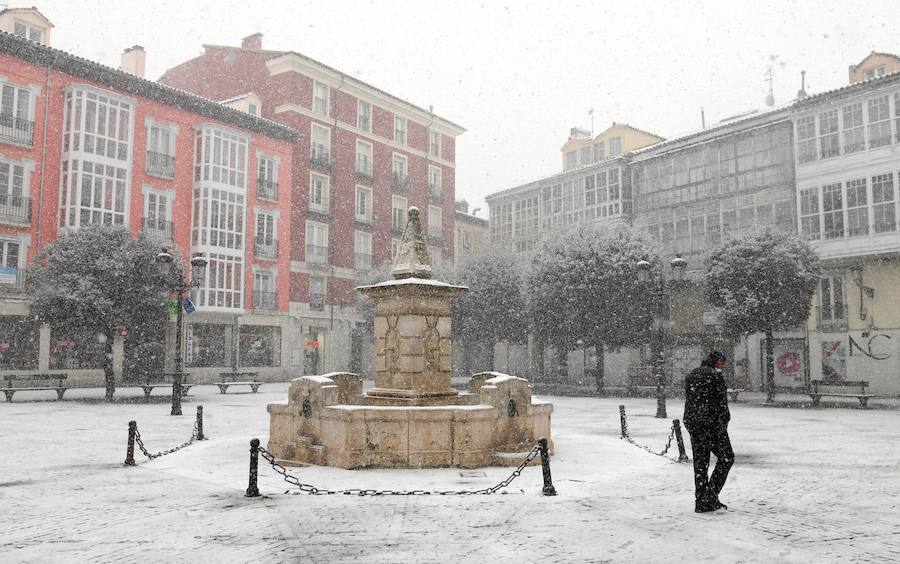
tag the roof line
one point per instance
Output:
(93, 71)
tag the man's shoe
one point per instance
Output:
(719, 505)
(704, 507)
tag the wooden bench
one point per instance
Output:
(23, 382)
(168, 379)
(733, 393)
(862, 396)
(238, 379)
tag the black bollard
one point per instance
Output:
(129, 455)
(545, 466)
(252, 490)
(622, 421)
(682, 455)
(200, 436)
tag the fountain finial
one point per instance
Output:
(413, 260)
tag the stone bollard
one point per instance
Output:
(129, 454)
(252, 490)
(545, 467)
(622, 422)
(200, 436)
(682, 455)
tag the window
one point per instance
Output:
(571, 160)
(316, 242)
(221, 157)
(434, 222)
(263, 294)
(363, 211)
(260, 345)
(320, 98)
(218, 219)
(829, 136)
(502, 220)
(615, 146)
(874, 73)
(320, 144)
(318, 192)
(437, 257)
(364, 115)
(160, 151)
(400, 130)
(590, 191)
(223, 282)
(398, 212)
(599, 152)
(267, 178)
(317, 293)
(364, 158)
(585, 155)
(362, 250)
(435, 144)
(435, 181)
(157, 215)
(831, 294)
(833, 211)
(879, 122)
(897, 115)
(854, 132)
(809, 213)
(883, 203)
(14, 192)
(266, 239)
(395, 248)
(806, 139)
(857, 210)
(28, 31)
(96, 157)
(16, 121)
(399, 176)
(9, 263)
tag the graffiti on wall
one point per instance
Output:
(834, 361)
(876, 347)
(789, 356)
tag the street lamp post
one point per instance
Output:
(198, 267)
(661, 291)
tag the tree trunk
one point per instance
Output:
(562, 364)
(489, 345)
(108, 373)
(770, 367)
(600, 369)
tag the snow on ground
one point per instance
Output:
(808, 485)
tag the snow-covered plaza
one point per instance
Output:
(808, 485)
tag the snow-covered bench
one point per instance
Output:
(238, 379)
(167, 382)
(733, 393)
(24, 382)
(862, 396)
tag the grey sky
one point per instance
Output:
(518, 75)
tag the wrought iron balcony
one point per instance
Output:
(362, 261)
(400, 182)
(160, 164)
(16, 129)
(320, 156)
(267, 249)
(832, 317)
(267, 189)
(12, 280)
(264, 300)
(159, 228)
(435, 191)
(15, 209)
(316, 253)
(364, 172)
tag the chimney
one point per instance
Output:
(133, 59)
(461, 206)
(801, 94)
(253, 42)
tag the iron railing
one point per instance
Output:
(266, 189)
(319, 155)
(264, 300)
(265, 248)
(11, 285)
(362, 261)
(16, 209)
(16, 129)
(435, 191)
(160, 164)
(400, 182)
(316, 253)
(832, 317)
(364, 172)
(157, 227)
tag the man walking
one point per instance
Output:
(706, 418)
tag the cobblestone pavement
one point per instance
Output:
(814, 485)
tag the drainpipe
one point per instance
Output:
(40, 202)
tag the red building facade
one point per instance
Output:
(361, 158)
(81, 144)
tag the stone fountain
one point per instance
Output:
(412, 417)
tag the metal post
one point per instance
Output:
(682, 455)
(200, 436)
(622, 422)
(545, 466)
(129, 455)
(660, 378)
(252, 490)
(179, 367)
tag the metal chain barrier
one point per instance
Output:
(140, 443)
(674, 433)
(648, 449)
(312, 490)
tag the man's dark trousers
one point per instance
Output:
(704, 442)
